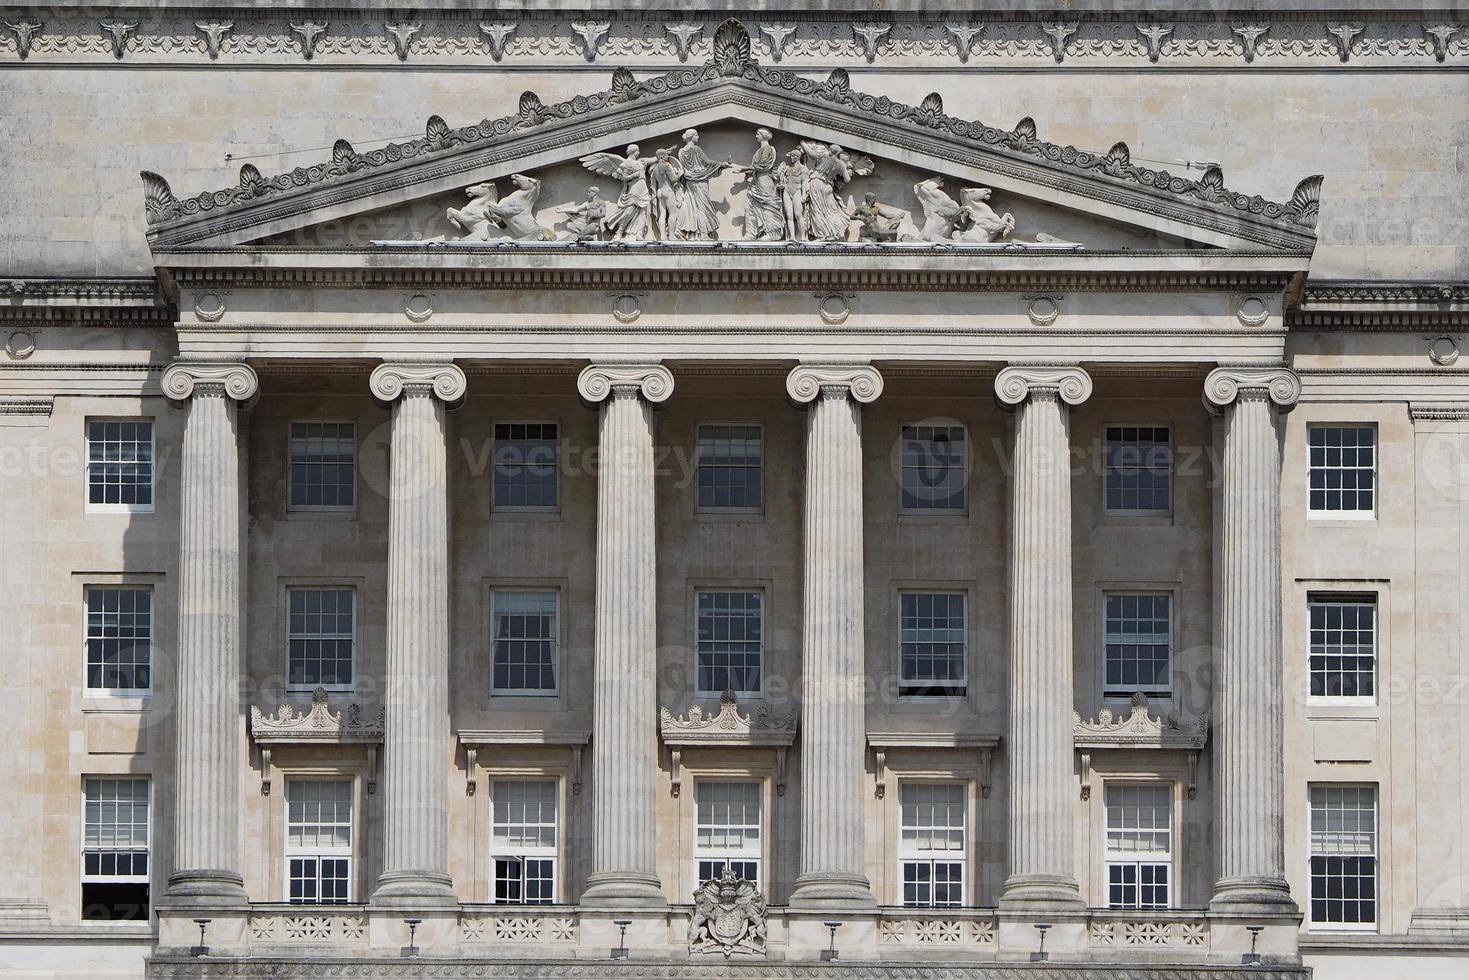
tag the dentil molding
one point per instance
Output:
(239, 380)
(653, 381)
(1015, 384)
(1224, 384)
(861, 381)
(446, 380)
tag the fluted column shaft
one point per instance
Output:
(833, 705)
(415, 765)
(1039, 743)
(208, 856)
(1247, 739)
(624, 720)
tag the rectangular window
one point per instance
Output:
(526, 465)
(729, 642)
(932, 848)
(1344, 856)
(1139, 852)
(323, 465)
(319, 841)
(1139, 467)
(523, 841)
(727, 830)
(1343, 474)
(524, 657)
(320, 638)
(120, 464)
(1343, 646)
(119, 640)
(932, 645)
(934, 465)
(1138, 645)
(729, 467)
(115, 848)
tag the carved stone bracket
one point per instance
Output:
(182, 377)
(860, 381)
(1224, 385)
(388, 380)
(653, 381)
(884, 742)
(474, 740)
(726, 728)
(1140, 730)
(1018, 382)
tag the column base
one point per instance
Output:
(1041, 891)
(206, 886)
(832, 890)
(1252, 894)
(414, 889)
(624, 890)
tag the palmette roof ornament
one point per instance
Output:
(732, 72)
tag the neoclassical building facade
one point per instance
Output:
(730, 512)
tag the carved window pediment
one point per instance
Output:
(728, 726)
(318, 724)
(1138, 729)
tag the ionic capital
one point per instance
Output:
(445, 380)
(1018, 382)
(182, 377)
(1225, 384)
(859, 381)
(653, 381)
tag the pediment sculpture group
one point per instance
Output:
(797, 198)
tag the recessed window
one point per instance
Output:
(729, 459)
(119, 640)
(1344, 856)
(321, 635)
(934, 467)
(730, 642)
(1343, 476)
(931, 850)
(523, 840)
(1139, 850)
(323, 465)
(120, 464)
(1138, 645)
(931, 640)
(1343, 646)
(319, 841)
(526, 465)
(1139, 467)
(524, 657)
(727, 830)
(115, 842)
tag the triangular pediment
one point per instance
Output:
(1053, 192)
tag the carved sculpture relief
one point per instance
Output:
(729, 917)
(488, 218)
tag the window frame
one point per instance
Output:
(963, 683)
(105, 508)
(1171, 594)
(966, 469)
(554, 853)
(1136, 859)
(338, 509)
(1311, 923)
(1346, 597)
(495, 505)
(700, 508)
(913, 855)
(1312, 514)
(1133, 514)
(290, 852)
(742, 855)
(84, 879)
(118, 693)
(557, 641)
(716, 588)
(314, 586)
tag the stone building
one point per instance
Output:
(849, 539)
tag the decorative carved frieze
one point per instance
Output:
(25, 32)
(1138, 729)
(728, 726)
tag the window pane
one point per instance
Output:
(524, 658)
(729, 642)
(932, 817)
(934, 467)
(1343, 646)
(727, 829)
(319, 813)
(1138, 464)
(1138, 645)
(1139, 820)
(323, 464)
(931, 640)
(115, 848)
(119, 639)
(729, 462)
(1343, 468)
(320, 637)
(526, 464)
(120, 462)
(523, 839)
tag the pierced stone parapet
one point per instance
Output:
(520, 926)
(928, 930)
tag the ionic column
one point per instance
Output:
(1039, 742)
(625, 709)
(207, 801)
(833, 722)
(1246, 743)
(415, 772)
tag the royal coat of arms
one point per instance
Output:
(729, 916)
